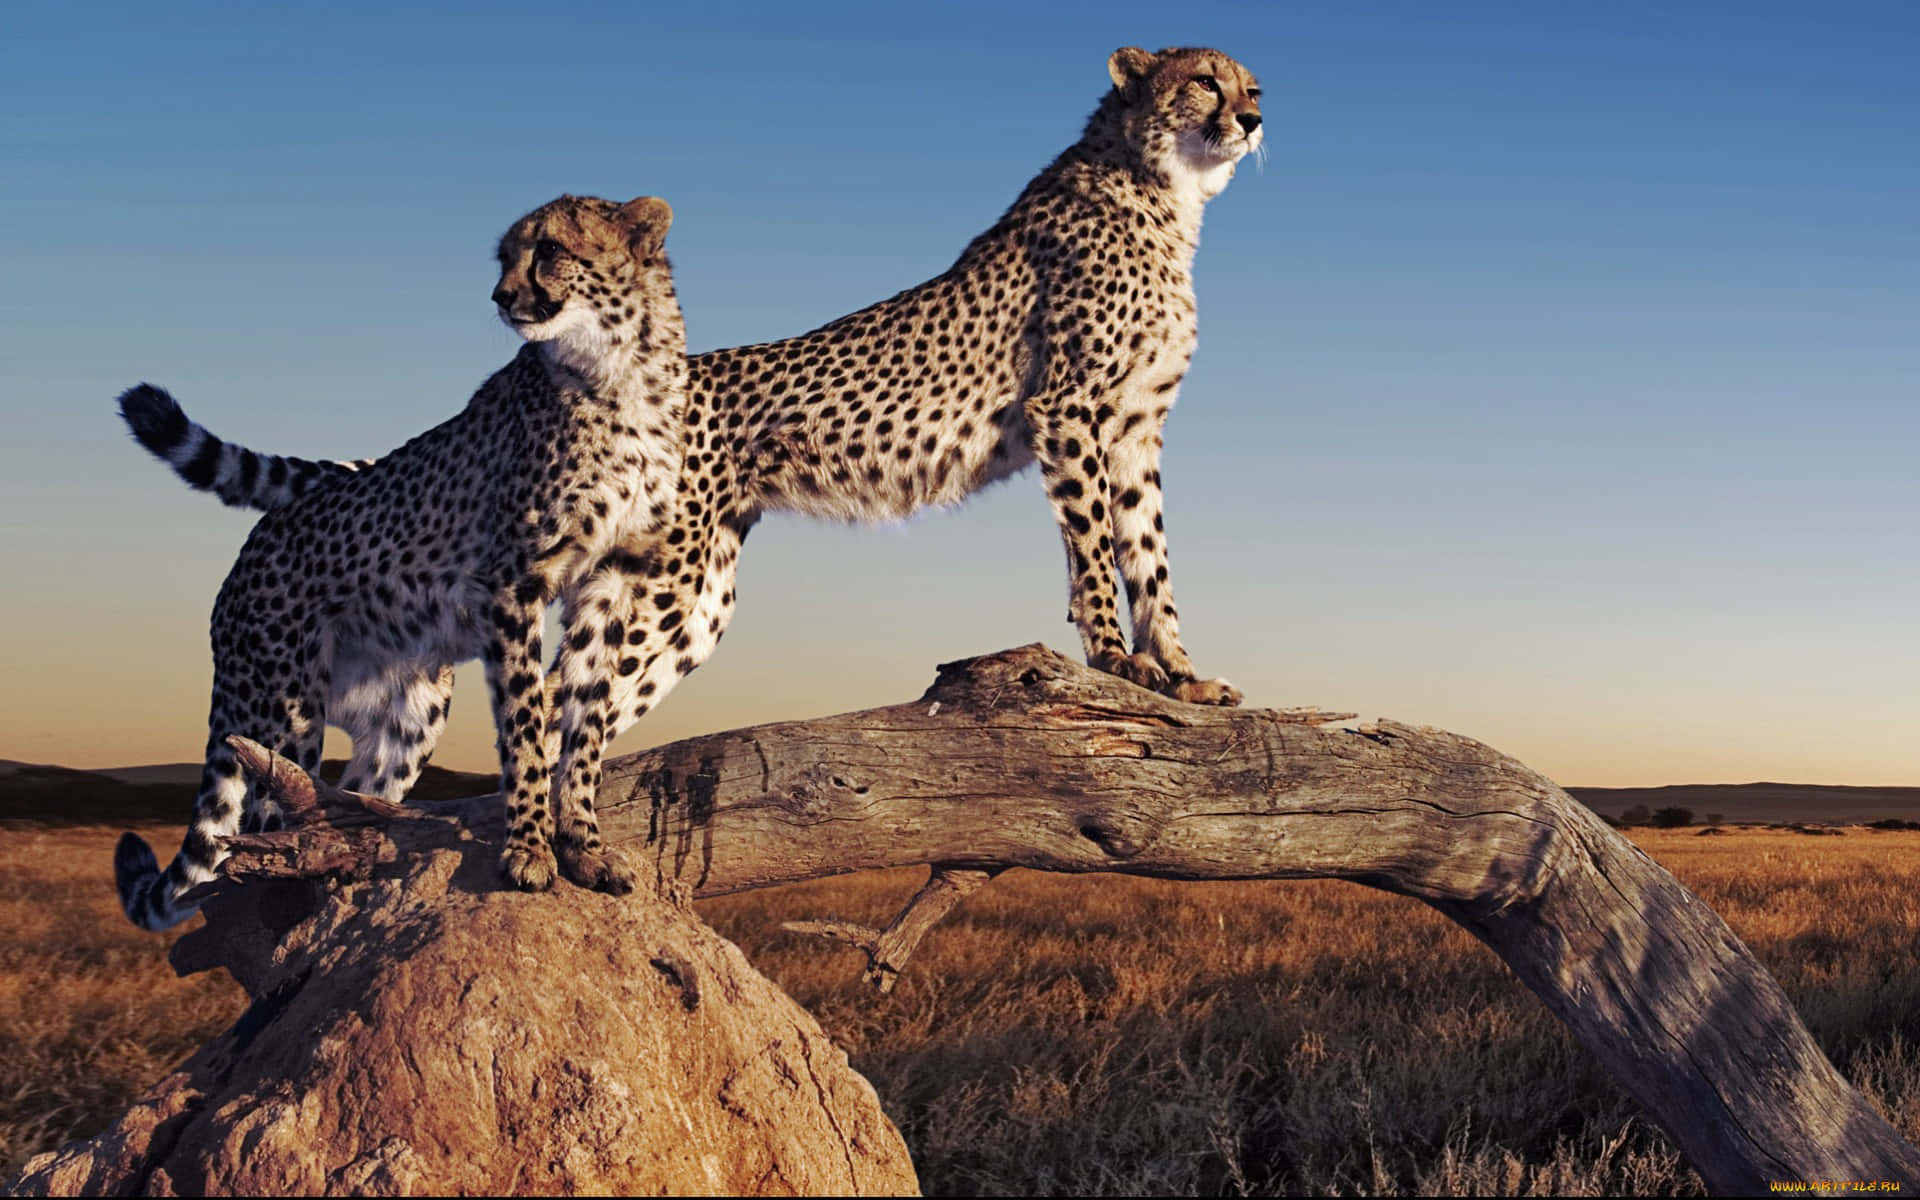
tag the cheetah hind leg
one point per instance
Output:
(395, 717)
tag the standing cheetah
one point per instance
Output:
(353, 602)
(1061, 335)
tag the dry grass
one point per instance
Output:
(1103, 1034)
(90, 1013)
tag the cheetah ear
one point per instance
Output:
(1128, 64)
(648, 219)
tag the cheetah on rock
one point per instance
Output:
(352, 602)
(1060, 335)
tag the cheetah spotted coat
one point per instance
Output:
(1060, 336)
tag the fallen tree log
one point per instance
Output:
(1026, 759)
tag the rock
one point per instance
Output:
(422, 1032)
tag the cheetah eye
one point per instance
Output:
(1208, 82)
(1253, 93)
(546, 250)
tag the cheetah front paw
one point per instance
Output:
(603, 870)
(1134, 668)
(1206, 691)
(529, 868)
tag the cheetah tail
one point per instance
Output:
(148, 895)
(243, 478)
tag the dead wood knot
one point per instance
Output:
(1114, 842)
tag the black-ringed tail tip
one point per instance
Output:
(142, 888)
(239, 476)
(155, 418)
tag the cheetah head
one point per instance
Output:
(578, 268)
(1191, 113)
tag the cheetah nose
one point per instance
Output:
(1249, 121)
(503, 297)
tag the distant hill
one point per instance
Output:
(182, 772)
(1768, 802)
(49, 795)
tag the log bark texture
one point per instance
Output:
(1026, 759)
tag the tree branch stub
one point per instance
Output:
(888, 949)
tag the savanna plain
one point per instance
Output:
(1102, 1034)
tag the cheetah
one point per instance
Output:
(352, 602)
(1061, 336)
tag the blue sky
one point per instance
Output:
(1556, 380)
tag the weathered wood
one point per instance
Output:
(1026, 759)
